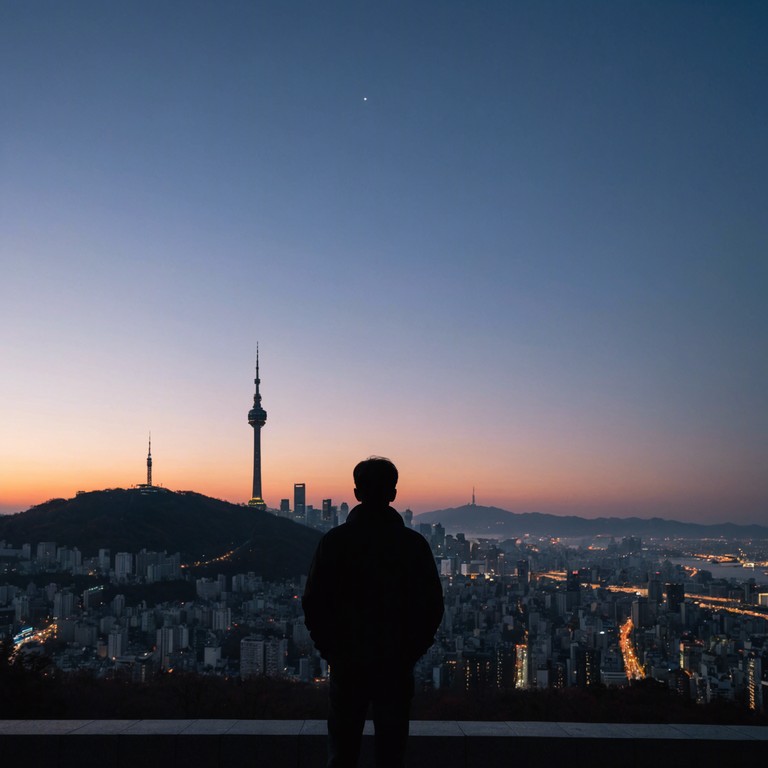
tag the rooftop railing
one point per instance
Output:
(433, 744)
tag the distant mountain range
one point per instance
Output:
(200, 527)
(493, 522)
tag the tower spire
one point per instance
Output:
(257, 380)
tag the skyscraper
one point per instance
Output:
(252, 656)
(257, 417)
(299, 500)
(675, 597)
(330, 513)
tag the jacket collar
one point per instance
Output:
(368, 514)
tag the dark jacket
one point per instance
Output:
(373, 594)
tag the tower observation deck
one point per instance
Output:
(257, 418)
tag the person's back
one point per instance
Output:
(372, 604)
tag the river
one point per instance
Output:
(722, 570)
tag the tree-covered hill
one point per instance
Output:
(200, 527)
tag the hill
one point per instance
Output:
(198, 526)
(493, 522)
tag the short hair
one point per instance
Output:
(375, 477)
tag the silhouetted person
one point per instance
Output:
(372, 604)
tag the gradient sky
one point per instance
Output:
(516, 245)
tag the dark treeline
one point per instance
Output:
(36, 689)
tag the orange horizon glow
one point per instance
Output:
(422, 488)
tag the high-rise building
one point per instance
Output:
(212, 656)
(655, 590)
(123, 565)
(257, 418)
(63, 604)
(285, 506)
(438, 538)
(755, 688)
(585, 665)
(313, 516)
(572, 590)
(522, 670)
(93, 597)
(642, 612)
(164, 645)
(46, 551)
(117, 642)
(300, 500)
(330, 514)
(275, 652)
(118, 605)
(631, 544)
(252, 656)
(221, 618)
(675, 597)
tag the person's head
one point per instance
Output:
(375, 480)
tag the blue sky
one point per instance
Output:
(520, 246)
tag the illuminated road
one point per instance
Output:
(707, 602)
(710, 603)
(554, 575)
(220, 559)
(641, 591)
(632, 665)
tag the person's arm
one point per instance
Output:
(429, 603)
(317, 599)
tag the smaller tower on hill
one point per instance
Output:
(148, 486)
(149, 463)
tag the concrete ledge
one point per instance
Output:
(301, 744)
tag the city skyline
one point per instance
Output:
(518, 247)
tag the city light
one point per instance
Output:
(632, 666)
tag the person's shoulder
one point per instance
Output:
(414, 538)
(336, 536)
(339, 532)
